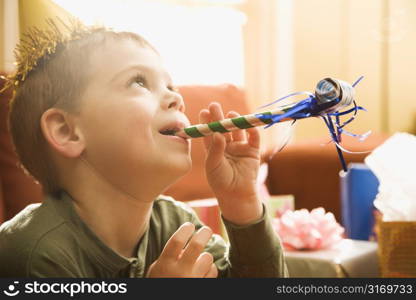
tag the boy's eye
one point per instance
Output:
(173, 88)
(140, 80)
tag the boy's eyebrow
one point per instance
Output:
(142, 68)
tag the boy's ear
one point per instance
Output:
(62, 133)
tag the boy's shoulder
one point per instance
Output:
(168, 211)
(26, 235)
(164, 202)
(30, 224)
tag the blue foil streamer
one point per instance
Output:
(314, 107)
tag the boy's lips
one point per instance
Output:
(178, 139)
(170, 129)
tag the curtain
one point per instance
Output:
(269, 60)
(17, 17)
(9, 33)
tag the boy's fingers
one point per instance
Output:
(216, 150)
(203, 264)
(177, 241)
(216, 111)
(204, 118)
(196, 245)
(213, 272)
(216, 115)
(254, 137)
(238, 135)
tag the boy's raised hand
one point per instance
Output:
(181, 258)
(232, 165)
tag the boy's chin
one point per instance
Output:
(182, 167)
(179, 168)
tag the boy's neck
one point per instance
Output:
(116, 217)
(118, 221)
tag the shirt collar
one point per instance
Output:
(96, 249)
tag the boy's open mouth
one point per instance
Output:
(172, 128)
(170, 131)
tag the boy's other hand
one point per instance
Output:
(232, 165)
(181, 258)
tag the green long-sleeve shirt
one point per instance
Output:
(51, 240)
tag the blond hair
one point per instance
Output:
(57, 79)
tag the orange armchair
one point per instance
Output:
(306, 170)
(16, 188)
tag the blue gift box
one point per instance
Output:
(359, 187)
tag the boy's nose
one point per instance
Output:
(174, 100)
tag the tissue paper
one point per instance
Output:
(394, 164)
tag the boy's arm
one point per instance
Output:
(254, 250)
(232, 164)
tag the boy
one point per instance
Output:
(91, 120)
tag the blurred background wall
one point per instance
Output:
(349, 38)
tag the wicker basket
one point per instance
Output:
(397, 248)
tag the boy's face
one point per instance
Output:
(129, 100)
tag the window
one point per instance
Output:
(201, 41)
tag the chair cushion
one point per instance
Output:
(19, 189)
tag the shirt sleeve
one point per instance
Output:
(254, 250)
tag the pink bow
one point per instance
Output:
(304, 230)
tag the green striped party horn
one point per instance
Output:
(231, 124)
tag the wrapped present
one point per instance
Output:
(396, 225)
(349, 258)
(359, 187)
(315, 246)
(397, 248)
(277, 205)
